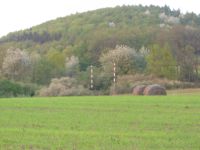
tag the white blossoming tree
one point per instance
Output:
(16, 64)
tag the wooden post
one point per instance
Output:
(114, 78)
(91, 78)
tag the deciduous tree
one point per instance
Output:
(16, 64)
(160, 62)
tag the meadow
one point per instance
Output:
(100, 123)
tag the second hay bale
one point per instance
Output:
(154, 89)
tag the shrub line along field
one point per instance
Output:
(100, 123)
(191, 91)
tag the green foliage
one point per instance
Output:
(72, 66)
(43, 72)
(187, 62)
(160, 62)
(33, 36)
(56, 58)
(12, 89)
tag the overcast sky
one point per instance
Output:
(22, 14)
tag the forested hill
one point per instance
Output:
(86, 36)
(93, 31)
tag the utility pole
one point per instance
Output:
(91, 78)
(114, 78)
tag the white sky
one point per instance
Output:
(22, 14)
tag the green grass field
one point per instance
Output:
(100, 123)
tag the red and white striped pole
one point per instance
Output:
(114, 76)
(91, 78)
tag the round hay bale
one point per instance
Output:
(154, 89)
(138, 90)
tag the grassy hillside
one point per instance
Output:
(109, 123)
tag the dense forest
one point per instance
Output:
(147, 43)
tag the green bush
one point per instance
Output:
(12, 89)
